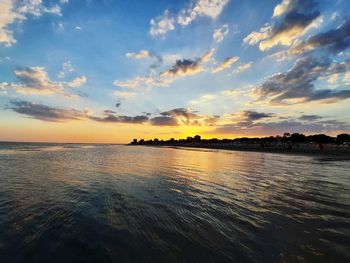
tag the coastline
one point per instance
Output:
(328, 152)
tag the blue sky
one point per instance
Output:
(223, 68)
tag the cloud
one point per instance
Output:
(35, 80)
(251, 122)
(142, 54)
(45, 113)
(17, 11)
(209, 8)
(292, 19)
(333, 78)
(181, 68)
(162, 24)
(220, 33)
(124, 94)
(244, 122)
(167, 22)
(251, 115)
(107, 112)
(280, 127)
(51, 114)
(66, 68)
(282, 8)
(334, 40)
(174, 117)
(346, 78)
(131, 84)
(208, 55)
(164, 121)
(4, 59)
(112, 118)
(247, 118)
(297, 84)
(203, 99)
(144, 82)
(145, 54)
(184, 67)
(77, 82)
(183, 116)
(8, 17)
(212, 120)
(227, 63)
(310, 117)
(36, 8)
(139, 81)
(243, 67)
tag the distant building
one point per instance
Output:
(134, 141)
(197, 138)
(189, 139)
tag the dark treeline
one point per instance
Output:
(286, 138)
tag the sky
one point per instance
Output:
(109, 71)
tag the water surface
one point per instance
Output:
(80, 203)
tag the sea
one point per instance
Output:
(119, 203)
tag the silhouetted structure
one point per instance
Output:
(197, 138)
(343, 138)
(286, 141)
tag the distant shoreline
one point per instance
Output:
(301, 149)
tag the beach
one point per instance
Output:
(332, 151)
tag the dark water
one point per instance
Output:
(76, 203)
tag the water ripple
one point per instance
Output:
(75, 203)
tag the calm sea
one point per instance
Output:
(95, 203)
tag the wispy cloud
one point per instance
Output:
(45, 113)
(243, 67)
(17, 11)
(220, 33)
(35, 80)
(291, 19)
(124, 94)
(334, 41)
(185, 67)
(181, 68)
(133, 83)
(254, 123)
(225, 64)
(162, 24)
(66, 68)
(112, 118)
(52, 114)
(209, 8)
(183, 116)
(175, 117)
(297, 84)
(167, 22)
(142, 54)
(77, 82)
(164, 121)
(252, 115)
(280, 127)
(208, 55)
